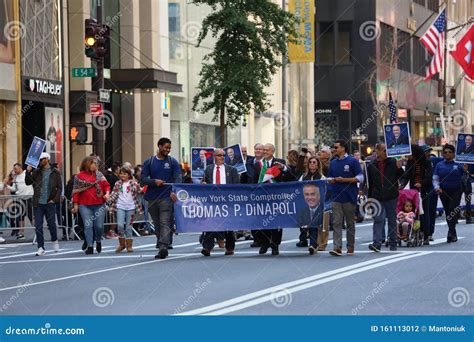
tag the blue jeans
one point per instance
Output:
(124, 222)
(388, 211)
(93, 217)
(48, 211)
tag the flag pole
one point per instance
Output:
(445, 102)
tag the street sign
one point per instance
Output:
(360, 137)
(445, 119)
(84, 72)
(104, 95)
(96, 109)
(345, 105)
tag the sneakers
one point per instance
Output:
(374, 248)
(111, 235)
(56, 246)
(20, 237)
(312, 250)
(90, 250)
(41, 252)
(336, 252)
(350, 250)
(98, 247)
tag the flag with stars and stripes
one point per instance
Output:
(434, 40)
(392, 108)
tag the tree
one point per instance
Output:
(251, 40)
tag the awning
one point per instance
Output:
(132, 79)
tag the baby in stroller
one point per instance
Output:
(408, 225)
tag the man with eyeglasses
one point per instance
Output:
(219, 173)
(383, 176)
(270, 237)
(447, 181)
(344, 174)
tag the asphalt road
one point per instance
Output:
(429, 280)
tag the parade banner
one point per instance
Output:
(201, 157)
(465, 148)
(234, 157)
(209, 207)
(303, 50)
(397, 139)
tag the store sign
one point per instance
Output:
(44, 87)
(323, 111)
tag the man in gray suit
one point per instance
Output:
(219, 173)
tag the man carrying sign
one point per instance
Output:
(219, 173)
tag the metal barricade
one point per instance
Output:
(16, 212)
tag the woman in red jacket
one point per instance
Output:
(90, 192)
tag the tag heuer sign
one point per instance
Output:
(44, 87)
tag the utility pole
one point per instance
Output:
(98, 135)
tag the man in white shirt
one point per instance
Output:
(23, 204)
(219, 173)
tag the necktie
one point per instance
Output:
(312, 214)
(218, 175)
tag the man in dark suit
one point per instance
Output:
(398, 138)
(270, 237)
(468, 147)
(219, 173)
(311, 217)
(233, 159)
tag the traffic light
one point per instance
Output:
(78, 134)
(452, 96)
(96, 39)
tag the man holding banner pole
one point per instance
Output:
(219, 173)
(272, 170)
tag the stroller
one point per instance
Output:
(412, 235)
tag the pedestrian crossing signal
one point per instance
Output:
(78, 134)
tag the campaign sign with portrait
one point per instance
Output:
(208, 207)
(36, 148)
(201, 157)
(234, 157)
(465, 148)
(397, 139)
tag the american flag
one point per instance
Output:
(433, 40)
(392, 108)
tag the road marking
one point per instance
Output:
(435, 242)
(311, 284)
(25, 285)
(287, 285)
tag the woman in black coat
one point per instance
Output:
(419, 173)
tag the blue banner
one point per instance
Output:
(397, 139)
(274, 328)
(247, 206)
(465, 148)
